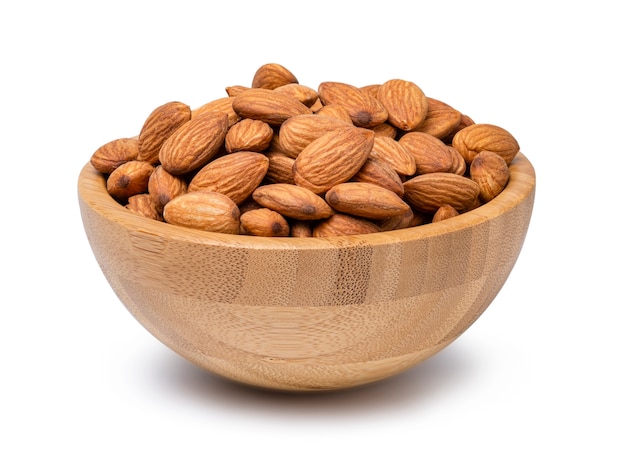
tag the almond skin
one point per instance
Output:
(336, 111)
(444, 212)
(207, 211)
(114, 153)
(143, 204)
(272, 75)
(379, 172)
(249, 135)
(158, 127)
(431, 155)
(308, 96)
(473, 139)
(367, 200)
(193, 144)
(292, 201)
(299, 131)
(264, 223)
(333, 158)
(364, 110)
(235, 175)
(280, 168)
(341, 224)
(428, 192)
(268, 106)
(405, 103)
(491, 172)
(395, 154)
(163, 187)
(128, 179)
(223, 104)
(440, 120)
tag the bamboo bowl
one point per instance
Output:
(308, 314)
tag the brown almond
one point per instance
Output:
(308, 96)
(235, 90)
(371, 90)
(472, 140)
(367, 200)
(114, 153)
(333, 158)
(299, 131)
(431, 155)
(465, 121)
(458, 162)
(158, 127)
(401, 221)
(385, 130)
(264, 222)
(222, 104)
(128, 179)
(143, 204)
(335, 111)
(194, 143)
(405, 102)
(444, 212)
(428, 192)
(300, 228)
(379, 172)
(341, 224)
(163, 187)
(292, 201)
(272, 75)
(395, 154)
(364, 110)
(267, 105)
(208, 211)
(441, 119)
(491, 172)
(280, 168)
(235, 175)
(249, 135)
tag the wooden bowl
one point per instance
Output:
(308, 314)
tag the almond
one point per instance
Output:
(128, 179)
(395, 154)
(367, 200)
(341, 224)
(264, 222)
(405, 103)
(223, 104)
(308, 96)
(193, 144)
(143, 204)
(280, 168)
(476, 138)
(208, 211)
(114, 153)
(235, 175)
(379, 172)
(292, 201)
(163, 187)
(465, 121)
(158, 127)
(431, 155)
(441, 119)
(364, 110)
(269, 106)
(336, 111)
(428, 192)
(444, 212)
(491, 172)
(385, 130)
(299, 131)
(235, 90)
(333, 158)
(272, 75)
(458, 162)
(248, 135)
(401, 221)
(301, 229)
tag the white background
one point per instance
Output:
(541, 370)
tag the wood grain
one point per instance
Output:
(308, 314)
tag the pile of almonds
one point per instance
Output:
(281, 159)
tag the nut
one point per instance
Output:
(272, 75)
(428, 192)
(208, 211)
(264, 222)
(292, 201)
(444, 212)
(114, 153)
(163, 187)
(476, 138)
(395, 154)
(128, 179)
(267, 105)
(441, 119)
(491, 172)
(299, 131)
(341, 224)
(431, 155)
(367, 200)
(405, 103)
(248, 135)
(364, 110)
(158, 127)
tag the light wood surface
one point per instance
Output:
(308, 314)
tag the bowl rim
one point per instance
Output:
(93, 195)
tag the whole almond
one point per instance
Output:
(340, 224)
(379, 172)
(431, 155)
(465, 121)
(163, 187)
(476, 138)
(158, 127)
(458, 162)
(405, 103)
(367, 200)
(333, 158)
(194, 143)
(272, 75)
(371, 90)
(395, 154)
(248, 135)
(441, 119)
(336, 111)
(267, 105)
(235, 90)
(264, 223)
(428, 192)
(292, 201)
(208, 211)
(364, 110)
(143, 204)
(491, 172)
(401, 221)
(128, 179)
(235, 175)
(222, 104)
(114, 153)
(300, 228)
(280, 168)
(299, 131)
(444, 212)
(308, 96)
(385, 130)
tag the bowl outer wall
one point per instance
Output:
(308, 314)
